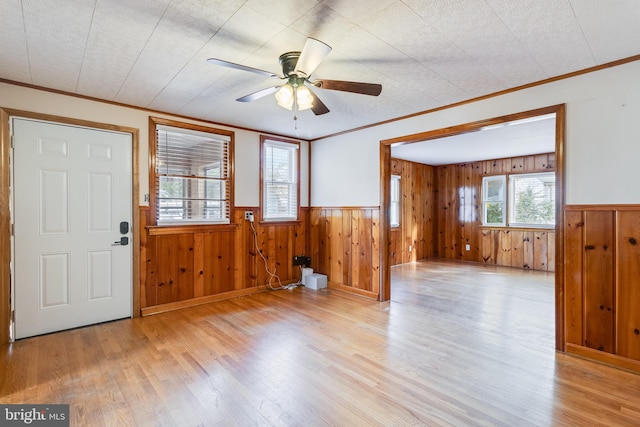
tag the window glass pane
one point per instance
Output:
(394, 209)
(493, 200)
(495, 190)
(533, 199)
(494, 213)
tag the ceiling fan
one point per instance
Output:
(297, 68)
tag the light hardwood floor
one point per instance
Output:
(459, 344)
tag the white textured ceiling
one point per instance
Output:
(425, 53)
(535, 135)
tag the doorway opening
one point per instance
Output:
(464, 191)
(7, 281)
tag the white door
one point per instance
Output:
(71, 192)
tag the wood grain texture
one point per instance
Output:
(417, 212)
(573, 276)
(345, 247)
(185, 263)
(458, 345)
(601, 268)
(458, 217)
(627, 284)
(599, 280)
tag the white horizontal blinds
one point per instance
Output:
(192, 176)
(280, 181)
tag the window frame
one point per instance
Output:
(485, 182)
(154, 123)
(509, 200)
(395, 204)
(264, 142)
(512, 200)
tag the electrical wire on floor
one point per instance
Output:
(273, 275)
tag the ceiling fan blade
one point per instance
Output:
(259, 94)
(313, 52)
(318, 106)
(235, 66)
(372, 89)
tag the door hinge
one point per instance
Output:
(13, 144)
(13, 316)
(13, 229)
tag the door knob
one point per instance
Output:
(124, 241)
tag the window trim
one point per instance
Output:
(282, 220)
(154, 122)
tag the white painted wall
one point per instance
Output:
(602, 146)
(247, 143)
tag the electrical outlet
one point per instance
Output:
(468, 247)
(302, 260)
(410, 248)
(248, 215)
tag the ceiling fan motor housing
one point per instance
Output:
(288, 62)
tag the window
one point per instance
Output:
(394, 211)
(494, 208)
(192, 174)
(280, 179)
(530, 200)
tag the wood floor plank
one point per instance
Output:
(459, 344)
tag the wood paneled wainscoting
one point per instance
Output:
(183, 266)
(602, 283)
(345, 247)
(531, 249)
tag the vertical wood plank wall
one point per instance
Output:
(458, 220)
(345, 247)
(182, 266)
(417, 210)
(602, 277)
(441, 215)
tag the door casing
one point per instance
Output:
(5, 215)
(385, 199)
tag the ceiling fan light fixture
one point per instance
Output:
(288, 93)
(304, 98)
(284, 96)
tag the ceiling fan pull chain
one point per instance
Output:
(295, 107)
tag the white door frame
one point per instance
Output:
(6, 291)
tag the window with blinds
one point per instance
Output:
(280, 177)
(192, 174)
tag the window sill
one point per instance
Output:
(159, 230)
(282, 222)
(518, 227)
